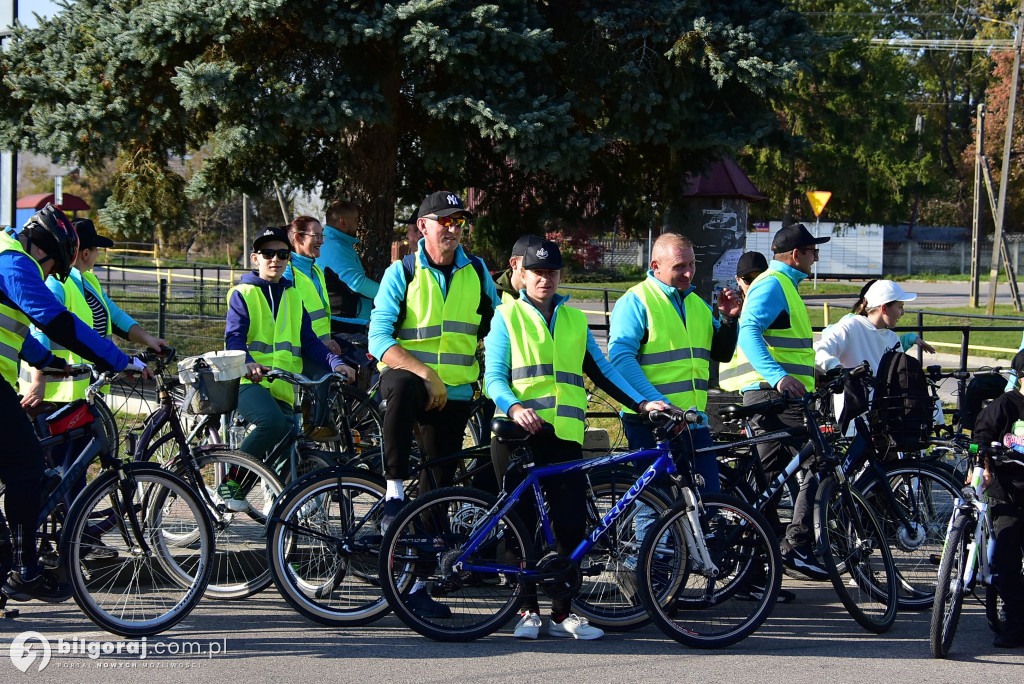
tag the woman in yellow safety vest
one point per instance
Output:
(267, 320)
(537, 352)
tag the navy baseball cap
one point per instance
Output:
(795, 236)
(544, 254)
(442, 203)
(268, 235)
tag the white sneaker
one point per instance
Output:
(528, 626)
(576, 627)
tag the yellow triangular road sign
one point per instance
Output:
(818, 200)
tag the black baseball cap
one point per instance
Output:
(268, 235)
(442, 203)
(87, 235)
(751, 262)
(524, 243)
(543, 254)
(795, 236)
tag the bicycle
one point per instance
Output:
(692, 564)
(848, 537)
(120, 543)
(967, 556)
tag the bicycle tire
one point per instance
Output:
(240, 563)
(950, 590)
(323, 539)
(861, 570)
(927, 496)
(683, 599)
(427, 537)
(138, 594)
(609, 597)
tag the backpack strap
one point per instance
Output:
(485, 309)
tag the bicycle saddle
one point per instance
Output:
(507, 431)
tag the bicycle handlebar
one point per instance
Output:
(300, 379)
(691, 416)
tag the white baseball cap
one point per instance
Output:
(885, 291)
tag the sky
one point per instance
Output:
(44, 8)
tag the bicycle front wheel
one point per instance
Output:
(716, 605)
(323, 539)
(925, 495)
(240, 562)
(127, 577)
(950, 590)
(856, 555)
(421, 552)
(609, 596)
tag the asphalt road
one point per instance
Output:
(811, 641)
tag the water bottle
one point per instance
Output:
(1018, 428)
(236, 433)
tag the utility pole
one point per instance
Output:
(8, 159)
(979, 151)
(1004, 176)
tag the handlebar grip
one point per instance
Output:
(691, 416)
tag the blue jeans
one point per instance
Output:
(639, 436)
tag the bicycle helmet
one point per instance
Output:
(50, 230)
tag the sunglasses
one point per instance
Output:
(268, 254)
(809, 249)
(449, 221)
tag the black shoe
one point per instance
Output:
(756, 593)
(427, 608)
(801, 559)
(1009, 639)
(6, 559)
(43, 586)
(93, 549)
(392, 507)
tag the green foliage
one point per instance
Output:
(581, 112)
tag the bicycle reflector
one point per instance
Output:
(74, 415)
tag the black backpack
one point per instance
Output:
(902, 406)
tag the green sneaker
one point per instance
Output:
(231, 493)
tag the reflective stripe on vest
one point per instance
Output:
(15, 323)
(792, 347)
(316, 306)
(737, 374)
(274, 340)
(440, 331)
(66, 389)
(676, 358)
(546, 371)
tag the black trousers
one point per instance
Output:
(775, 455)
(566, 497)
(1008, 528)
(21, 471)
(441, 432)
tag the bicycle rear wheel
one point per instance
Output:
(240, 562)
(856, 556)
(149, 584)
(926, 496)
(710, 607)
(950, 590)
(323, 539)
(609, 596)
(422, 547)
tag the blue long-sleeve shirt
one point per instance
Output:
(388, 304)
(498, 362)
(120, 322)
(765, 301)
(236, 327)
(23, 289)
(338, 253)
(628, 327)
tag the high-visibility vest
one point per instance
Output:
(65, 389)
(274, 341)
(546, 370)
(13, 323)
(676, 358)
(792, 347)
(441, 331)
(736, 374)
(315, 302)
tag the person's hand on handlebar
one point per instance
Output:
(347, 371)
(255, 371)
(137, 366)
(35, 393)
(526, 418)
(790, 384)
